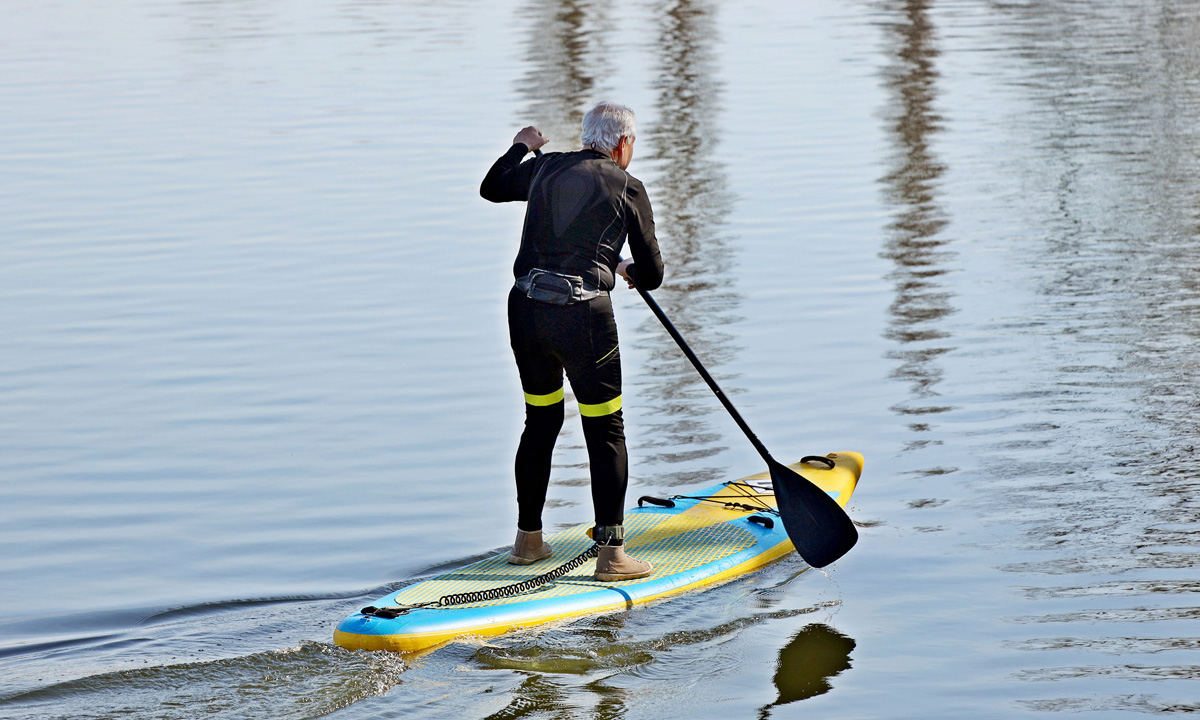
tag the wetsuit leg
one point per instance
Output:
(609, 465)
(582, 339)
(542, 381)
(595, 374)
(542, 425)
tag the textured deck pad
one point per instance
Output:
(673, 543)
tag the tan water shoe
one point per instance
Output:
(613, 565)
(529, 548)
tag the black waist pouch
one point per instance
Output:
(556, 288)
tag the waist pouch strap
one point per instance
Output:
(556, 288)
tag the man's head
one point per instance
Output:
(611, 129)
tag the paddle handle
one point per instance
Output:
(712, 384)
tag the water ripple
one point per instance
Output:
(308, 680)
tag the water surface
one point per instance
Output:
(256, 374)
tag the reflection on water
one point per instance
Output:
(568, 57)
(690, 204)
(915, 241)
(1114, 185)
(816, 654)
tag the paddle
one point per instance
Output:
(819, 528)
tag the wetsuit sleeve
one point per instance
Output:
(647, 267)
(508, 179)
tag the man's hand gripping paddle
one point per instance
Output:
(819, 528)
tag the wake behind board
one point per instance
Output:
(698, 542)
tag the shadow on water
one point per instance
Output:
(816, 654)
(916, 244)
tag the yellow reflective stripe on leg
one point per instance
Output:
(544, 400)
(602, 409)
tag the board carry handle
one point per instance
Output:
(818, 460)
(661, 502)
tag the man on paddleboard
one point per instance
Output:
(580, 209)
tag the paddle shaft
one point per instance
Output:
(712, 384)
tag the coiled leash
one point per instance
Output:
(467, 598)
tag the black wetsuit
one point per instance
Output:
(581, 208)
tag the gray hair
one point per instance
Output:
(605, 124)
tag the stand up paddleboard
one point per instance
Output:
(697, 540)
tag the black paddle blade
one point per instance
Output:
(819, 528)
